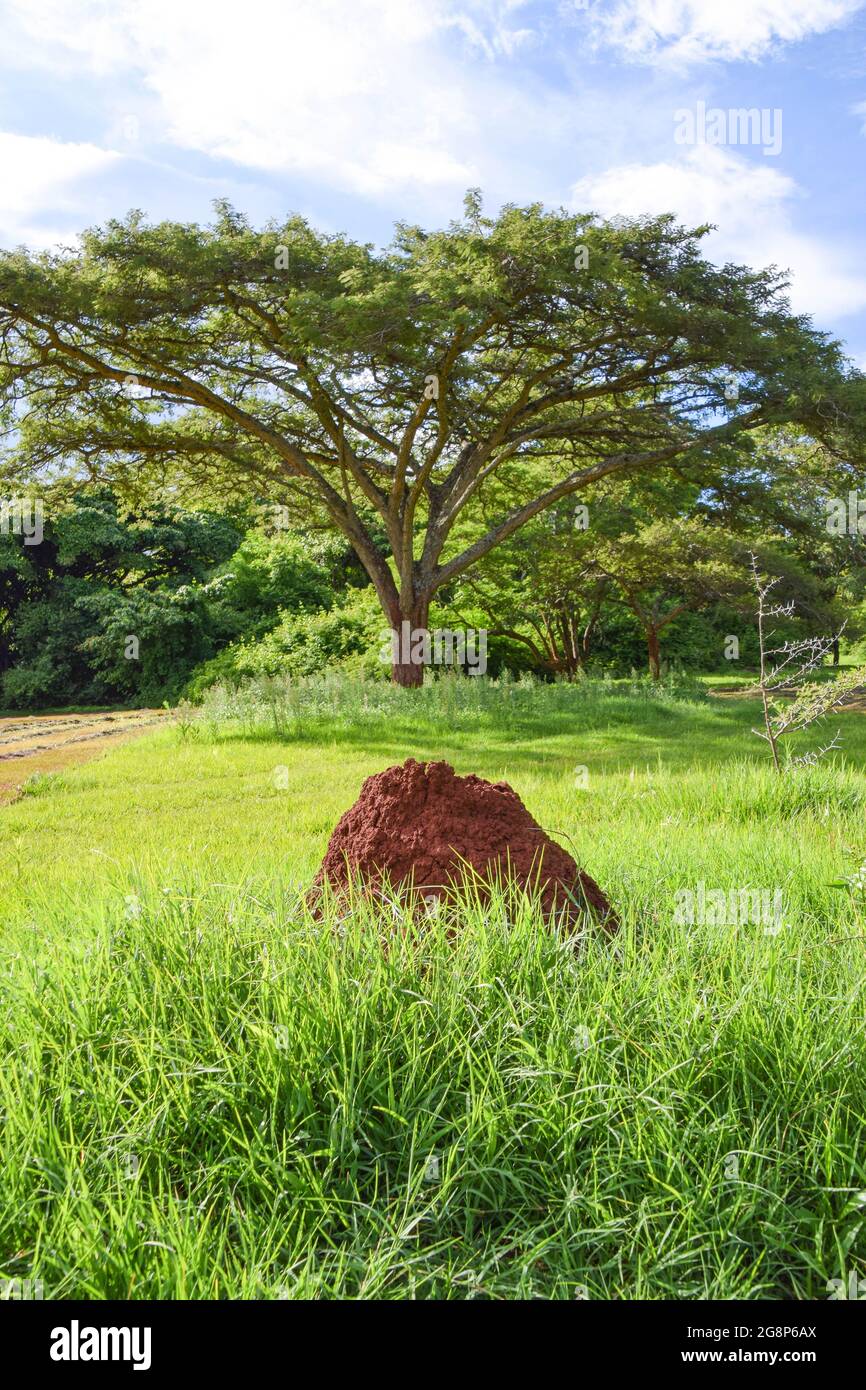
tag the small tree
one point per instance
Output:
(667, 568)
(796, 661)
(542, 590)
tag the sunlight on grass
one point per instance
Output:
(208, 1093)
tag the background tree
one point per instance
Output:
(185, 585)
(665, 568)
(787, 486)
(399, 385)
(668, 567)
(541, 590)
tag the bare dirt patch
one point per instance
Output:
(51, 742)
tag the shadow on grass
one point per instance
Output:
(613, 732)
(614, 735)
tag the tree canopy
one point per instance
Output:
(493, 368)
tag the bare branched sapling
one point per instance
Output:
(786, 670)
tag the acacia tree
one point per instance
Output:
(385, 392)
(542, 589)
(666, 568)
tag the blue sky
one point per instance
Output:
(360, 112)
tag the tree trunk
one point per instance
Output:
(655, 659)
(835, 651)
(407, 673)
(407, 644)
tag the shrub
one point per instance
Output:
(349, 637)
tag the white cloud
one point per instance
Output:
(682, 32)
(363, 96)
(708, 184)
(751, 203)
(41, 174)
(411, 101)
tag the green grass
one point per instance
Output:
(206, 1093)
(744, 678)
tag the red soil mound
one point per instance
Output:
(423, 829)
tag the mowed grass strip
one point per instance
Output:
(206, 1093)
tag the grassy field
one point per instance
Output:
(205, 1093)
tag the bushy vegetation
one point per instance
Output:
(346, 637)
(122, 606)
(150, 605)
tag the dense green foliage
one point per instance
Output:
(426, 401)
(68, 604)
(211, 597)
(123, 607)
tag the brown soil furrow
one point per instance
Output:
(44, 744)
(92, 735)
